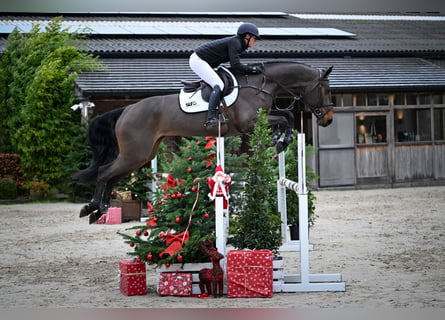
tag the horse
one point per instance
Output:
(125, 139)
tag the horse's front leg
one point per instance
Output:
(276, 135)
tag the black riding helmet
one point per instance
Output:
(249, 28)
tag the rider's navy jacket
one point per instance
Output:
(224, 50)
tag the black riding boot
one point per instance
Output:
(214, 100)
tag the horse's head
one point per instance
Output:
(318, 99)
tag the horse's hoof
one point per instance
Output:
(83, 212)
(88, 208)
(95, 216)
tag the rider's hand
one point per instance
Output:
(255, 69)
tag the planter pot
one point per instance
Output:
(131, 209)
(294, 231)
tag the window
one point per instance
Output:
(371, 128)
(347, 100)
(424, 99)
(360, 100)
(412, 124)
(411, 99)
(439, 124)
(437, 99)
(399, 99)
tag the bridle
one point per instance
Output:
(319, 85)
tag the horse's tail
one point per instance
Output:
(102, 139)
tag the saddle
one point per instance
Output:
(194, 86)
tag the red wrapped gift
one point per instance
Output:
(113, 216)
(175, 284)
(250, 274)
(132, 278)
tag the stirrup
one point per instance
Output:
(211, 123)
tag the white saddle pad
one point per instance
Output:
(192, 102)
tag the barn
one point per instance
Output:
(388, 82)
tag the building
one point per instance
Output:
(388, 81)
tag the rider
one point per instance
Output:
(210, 55)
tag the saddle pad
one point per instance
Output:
(192, 102)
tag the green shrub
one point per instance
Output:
(8, 189)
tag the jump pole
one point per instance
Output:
(220, 223)
(303, 282)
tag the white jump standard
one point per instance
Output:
(303, 282)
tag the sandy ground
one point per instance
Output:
(388, 244)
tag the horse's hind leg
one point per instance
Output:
(103, 203)
(108, 176)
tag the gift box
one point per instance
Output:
(175, 284)
(132, 278)
(114, 216)
(249, 274)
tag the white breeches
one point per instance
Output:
(205, 71)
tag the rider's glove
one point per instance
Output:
(254, 69)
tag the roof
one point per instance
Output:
(161, 76)
(379, 52)
(404, 35)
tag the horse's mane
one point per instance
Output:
(287, 61)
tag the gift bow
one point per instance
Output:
(174, 242)
(182, 237)
(171, 182)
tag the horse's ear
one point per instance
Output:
(327, 71)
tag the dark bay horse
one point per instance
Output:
(125, 139)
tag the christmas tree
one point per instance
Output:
(182, 215)
(256, 224)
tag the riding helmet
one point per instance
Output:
(248, 28)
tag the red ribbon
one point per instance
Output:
(174, 242)
(171, 182)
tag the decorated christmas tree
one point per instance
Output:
(256, 223)
(181, 214)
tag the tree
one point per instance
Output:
(257, 223)
(39, 74)
(182, 214)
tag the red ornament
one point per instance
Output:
(138, 260)
(206, 215)
(161, 235)
(193, 189)
(131, 244)
(177, 219)
(167, 265)
(179, 195)
(159, 202)
(155, 219)
(173, 196)
(179, 257)
(149, 257)
(145, 233)
(190, 158)
(275, 156)
(138, 232)
(189, 170)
